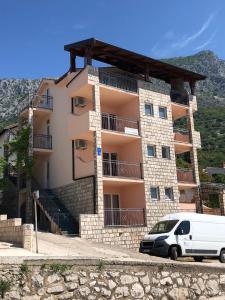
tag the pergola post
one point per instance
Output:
(72, 61)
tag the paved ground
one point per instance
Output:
(52, 245)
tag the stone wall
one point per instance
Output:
(91, 228)
(158, 172)
(78, 197)
(92, 279)
(12, 231)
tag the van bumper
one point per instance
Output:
(157, 248)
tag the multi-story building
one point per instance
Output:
(107, 145)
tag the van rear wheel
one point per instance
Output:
(198, 258)
(222, 256)
(173, 253)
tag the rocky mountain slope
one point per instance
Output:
(211, 91)
(14, 92)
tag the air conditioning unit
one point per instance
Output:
(81, 144)
(79, 101)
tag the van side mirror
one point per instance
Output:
(179, 231)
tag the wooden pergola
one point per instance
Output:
(128, 61)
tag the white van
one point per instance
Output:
(187, 234)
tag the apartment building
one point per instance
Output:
(107, 142)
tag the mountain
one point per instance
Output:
(211, 91)
(209, 119)
(14, 92)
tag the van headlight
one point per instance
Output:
(162, 238)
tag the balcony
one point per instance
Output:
(45, 102)
(122, 169)
(124, 217)
(180, 97)
(181, 135)
(185, 177)
(118, 81)
(42, 142)
(114, 123)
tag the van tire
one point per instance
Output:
(173, 253)
(222, 256)
(198, 258)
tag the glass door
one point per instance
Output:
(110, 164)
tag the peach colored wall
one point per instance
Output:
(77, 83)
(84, 161)
(131, 196)
(77, 125)
(128, 152)
(130, 109)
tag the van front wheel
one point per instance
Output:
(173, 253)
(222, 256)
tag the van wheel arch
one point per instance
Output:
(178, 249)
(221, 256)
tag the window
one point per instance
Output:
(163, 227)
(163, 112)
(183, 228)
(154, 193)
(151, 151)
(169, 193)
(149, 110)
(166, 152)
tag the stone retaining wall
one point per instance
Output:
(78, 197)
(92, 279)
(12, 231)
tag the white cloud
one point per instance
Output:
(169, 35)
(188, 39)
(78, 26)
(209, 41)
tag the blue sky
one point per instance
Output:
(33, 32)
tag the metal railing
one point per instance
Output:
(45, 102)
(124, 217)
(180, 97)
(42, 141)
(181, 135)
(122, 169)
(185, 175)
(115, 123)
(119, 81)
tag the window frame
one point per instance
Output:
(165, 109)
(154, 148)
(157, 191)
(167, 152)
(151, 109)
(172, 194)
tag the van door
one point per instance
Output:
(184, 237)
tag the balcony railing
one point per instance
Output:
(119, 81)
(185, 175)
(181, 135)
(122, 169)
(42, 141)
(180, 97)
(45, 102)
(115, 123)
(124, 217)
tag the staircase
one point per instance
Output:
(57, 214)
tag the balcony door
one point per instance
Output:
(112, 209)
(109, 121)
(110, 164)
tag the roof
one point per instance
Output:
(12, 126)
(194, 217)
(130, 61)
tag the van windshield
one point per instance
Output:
(163, 227)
